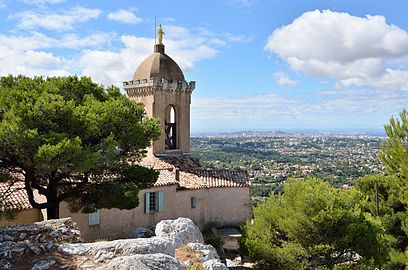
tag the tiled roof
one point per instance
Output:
(225, 178)
(180, 161)
(191, 175)
(166, 178)
(13, 197)
(183, 162)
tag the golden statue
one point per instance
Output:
(160, 34)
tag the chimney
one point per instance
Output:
(177, 174)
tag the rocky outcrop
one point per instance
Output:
(204, 252)
(181, 231)
(123, 247)
(214, 265)
(56, 244)
(19, 241)
(142, 262)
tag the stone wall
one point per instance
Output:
(23, 241)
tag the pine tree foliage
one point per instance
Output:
(311, 226)
(68, 138)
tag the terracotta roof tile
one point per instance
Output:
(166, 178)
(13, 197)
(191, 174)
(184, 162)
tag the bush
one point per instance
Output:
(214, 240)
(312, 225)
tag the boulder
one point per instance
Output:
(124, 263)
(124, 247)
(181, 231)
(214, 265)
(204, 252)
(143, 262)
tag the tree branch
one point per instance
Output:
(74, 190)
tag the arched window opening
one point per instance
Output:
(170, 128)
(144, 114)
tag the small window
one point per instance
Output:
(93, 218)
(171, 128)
(154, 202)
(193, 202)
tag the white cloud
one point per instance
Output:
(347, 107)
(61, 21)
(74, 41)
(124, 16)
(39, 41)
(283, 79)
(28, 54)
(354, 50)
(42, 2)
(30, 62)
(35, 54)
(114, 67)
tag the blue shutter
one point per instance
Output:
(161, 201)
(93, 218)
(147, 202)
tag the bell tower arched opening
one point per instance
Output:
(171, 128)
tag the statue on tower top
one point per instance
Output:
(160, 34)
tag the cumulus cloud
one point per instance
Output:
(114, 67)
(29, 62)
(34, 53)
(61, 21)
(37, 40)
(28, 55)
(124, 16)
(283, 79)
(354, 50)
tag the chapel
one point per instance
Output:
(183, 188)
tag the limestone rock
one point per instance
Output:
(124, 247)
(214, 265)
(124, 263)
(42, 265)
(181, 231)
(204, 252)
(143, 262)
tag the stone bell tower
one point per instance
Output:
(159, 85)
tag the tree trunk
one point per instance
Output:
(53, 212)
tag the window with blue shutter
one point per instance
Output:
(147, 202)
(93, 218)
(154, 202)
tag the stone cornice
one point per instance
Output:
(148, 87)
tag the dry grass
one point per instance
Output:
(185, 253)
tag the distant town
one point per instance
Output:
(272, 157)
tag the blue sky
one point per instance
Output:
(258, 65)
